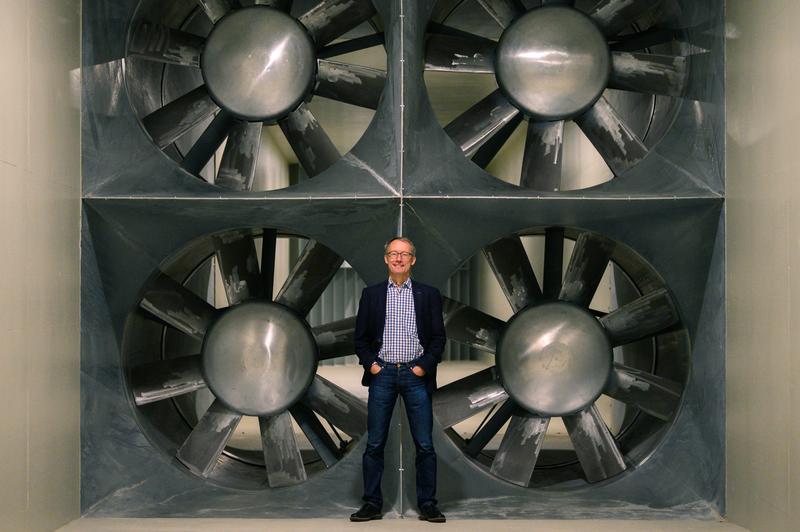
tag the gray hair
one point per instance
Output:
(401, 239)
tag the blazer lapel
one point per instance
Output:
(381, 312)
(418, 309)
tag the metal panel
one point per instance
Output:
(405, 175)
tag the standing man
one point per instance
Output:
(399, 340)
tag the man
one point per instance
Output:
(399, 340)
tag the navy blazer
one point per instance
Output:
(430, 328)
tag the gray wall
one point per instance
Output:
(764, 260)
(40, 217)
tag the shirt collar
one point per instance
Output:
(406, 284)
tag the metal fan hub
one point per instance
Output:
(554, 359)
(552, 63)
(259, 358)
(258, 63)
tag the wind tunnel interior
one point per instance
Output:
(559, 167)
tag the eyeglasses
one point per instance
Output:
(401, 254)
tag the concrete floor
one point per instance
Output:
(331, 525)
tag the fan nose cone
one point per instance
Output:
(258, 63)
(554, 359)
(553, 63)
(259, 358)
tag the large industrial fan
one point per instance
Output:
(556, 356)
(555, 65)
(257, 356)
(209, 72)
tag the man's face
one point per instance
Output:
(398, 258)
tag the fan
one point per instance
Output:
(258, 357)
(556, 356)
(552, 65)
(255, 65)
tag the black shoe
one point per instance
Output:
(367, 512)
(431, 513)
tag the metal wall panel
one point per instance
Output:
(143, 211)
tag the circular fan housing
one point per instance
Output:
(578, 375)
(224, 359)
(236, 93)
(553, 63)
(258, 63)
(559, 97)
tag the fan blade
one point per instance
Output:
(648, 73)
(171, 122)
(641, 318)
(595, 446)
(155, 42)
(477, 124)
(553, 261)
(207, 440)
(308, 140)
(541, 163)
(238, 264)
(511, 267)
(336, 339)
(502, 11)
(516, 457)
(283, 5)
(314, 270)
(316, 434)
(441, 29)
(654, 395)
(492, 427)
(467, 325)
(281, 453)
(613, 16)
(617, 144)
(461, 399)
(269, 240)
(238, 166)
(585, 270)
(351, 45)
(206, 146)
(338, 406)
(155, 381)
(331, 18)
(176, 305)
(491, 147)
(214, 9)
(646, 39)
(450, 53)
(698, 66)
(353, 84)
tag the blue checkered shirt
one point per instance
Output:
(400, 340)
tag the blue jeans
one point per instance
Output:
(383, 391)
